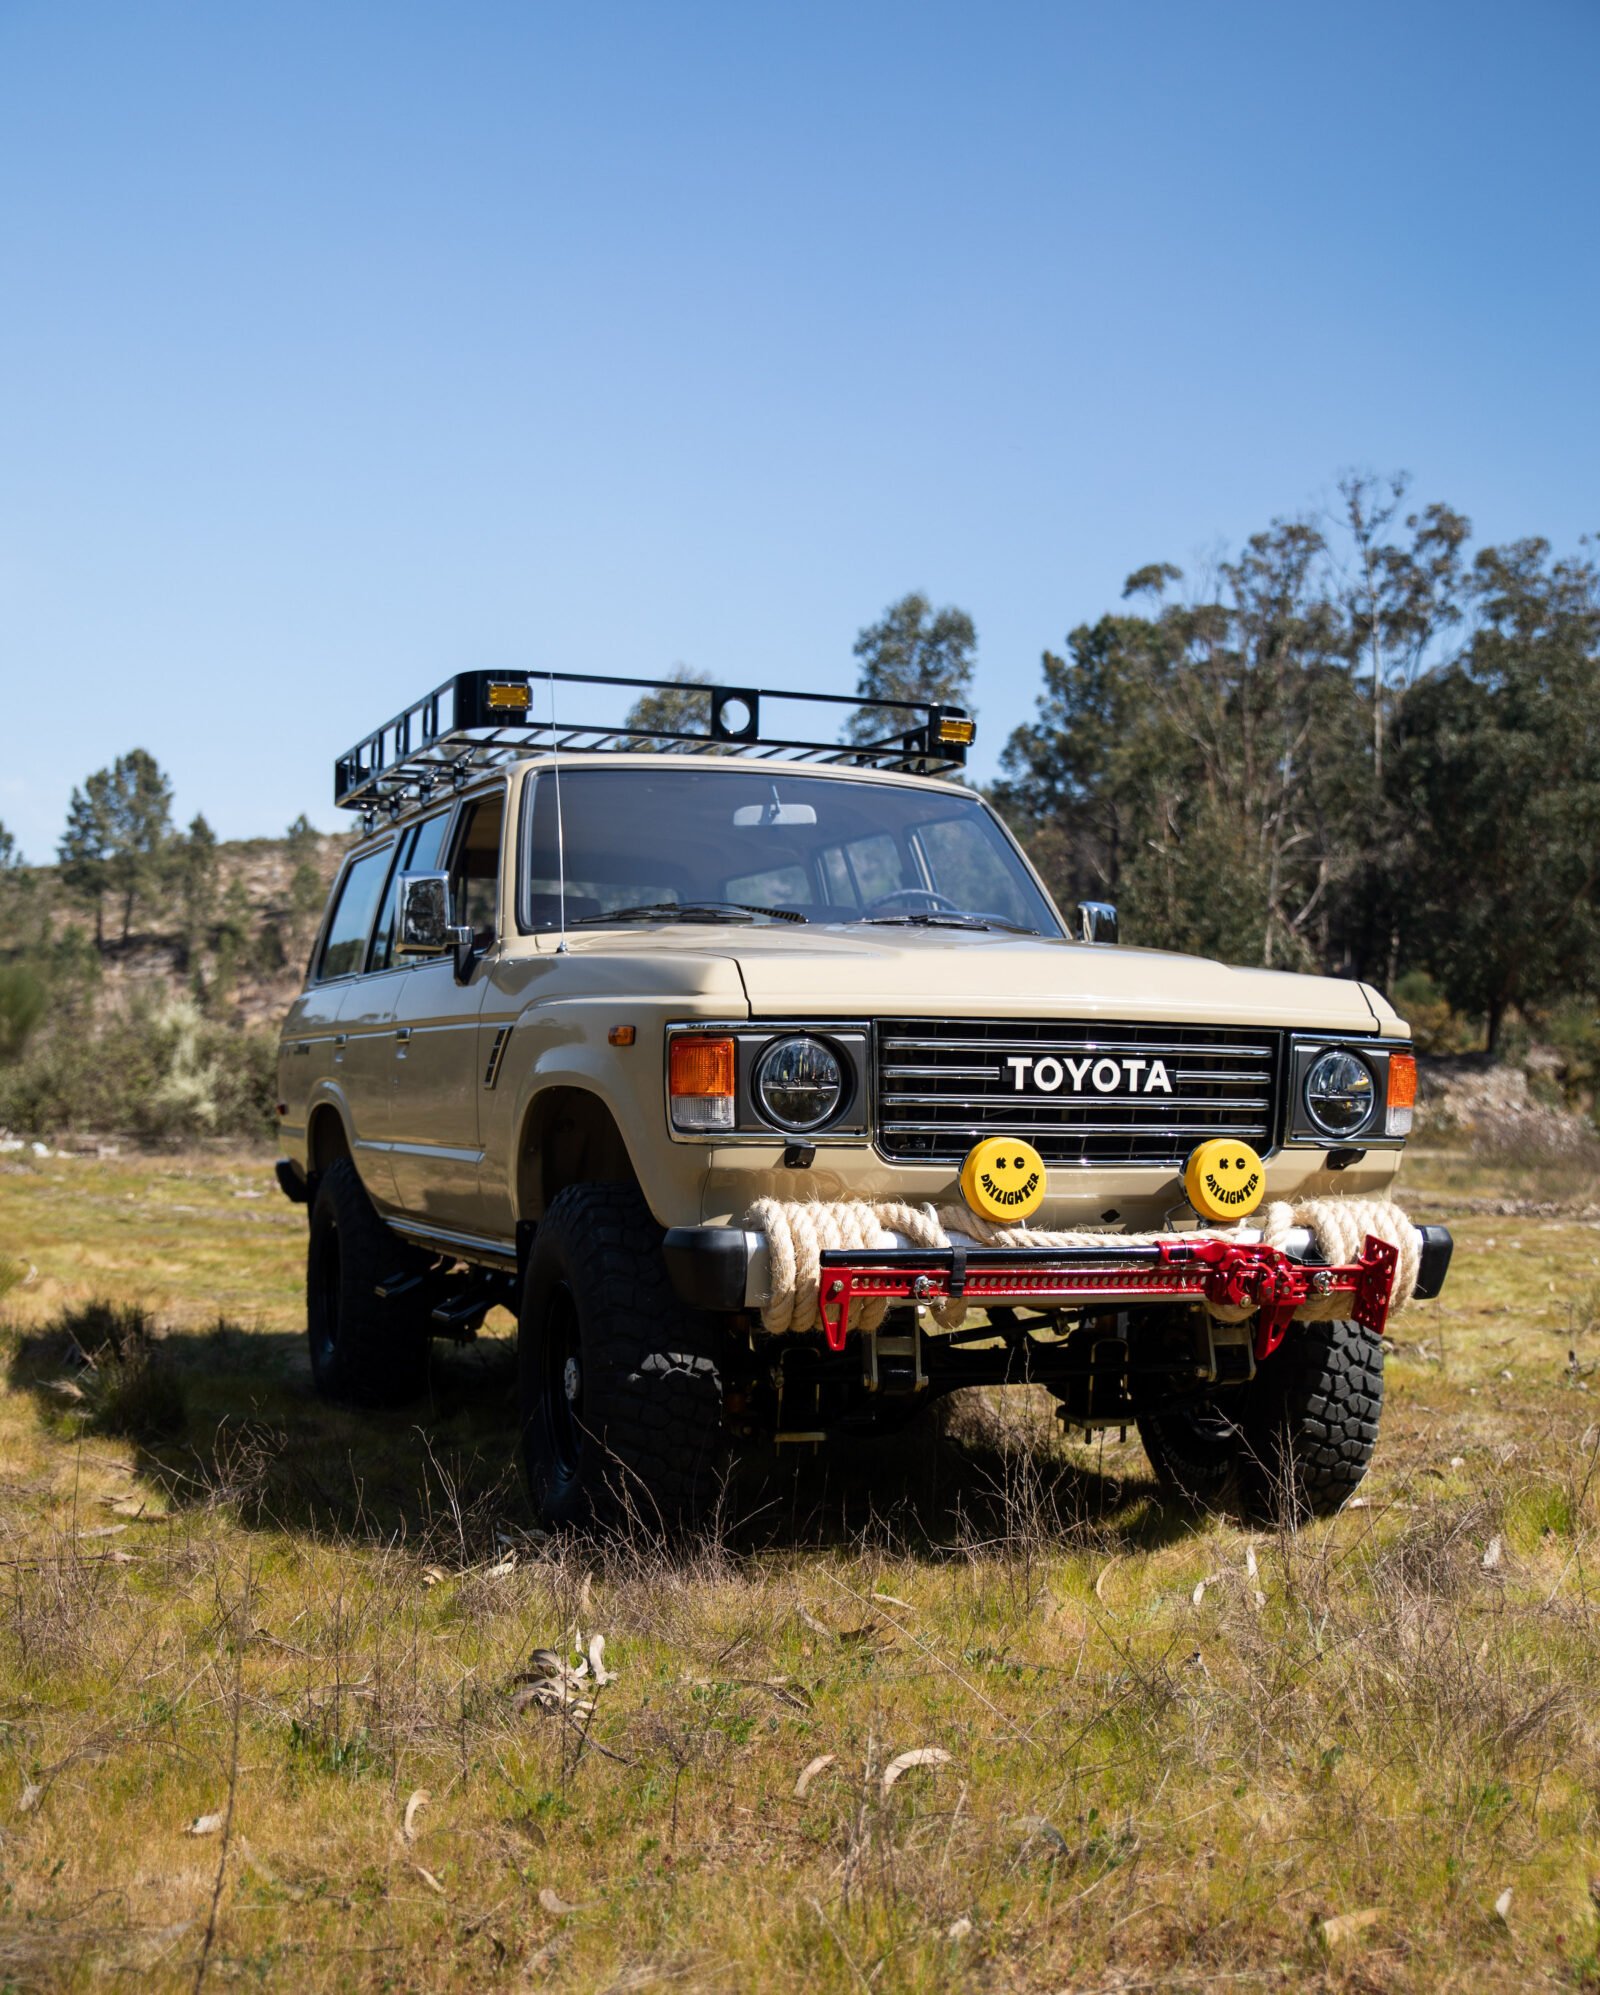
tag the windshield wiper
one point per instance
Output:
(688, 911)
(945, 921)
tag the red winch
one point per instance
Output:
(1222, 1273)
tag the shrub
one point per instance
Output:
(160, 1070)
(1434, 1026)
(22, 1004)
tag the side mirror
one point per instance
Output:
(423, 924)
(1097, 921)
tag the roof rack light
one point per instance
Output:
(478, 720)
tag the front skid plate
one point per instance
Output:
(1222, 1273)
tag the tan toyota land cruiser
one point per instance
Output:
(760, 1077)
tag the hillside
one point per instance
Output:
(244, 963)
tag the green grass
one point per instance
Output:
(213, 1585)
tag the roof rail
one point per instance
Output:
(478, 720)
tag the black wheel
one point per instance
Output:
(365, 1348)
(1312, 1421)
(1194, 1450)
(620, 1385)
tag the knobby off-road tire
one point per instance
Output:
(1296, 1441)
(1194, 1450)
(365, 1349)
(1312, 1422)
(620, 1385)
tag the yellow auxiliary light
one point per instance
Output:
(1003, 1179)
(1224, 1179)
(509, 698)
(962, 733)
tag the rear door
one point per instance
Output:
(328, 1028)
(367, 1015)
(435, 1146)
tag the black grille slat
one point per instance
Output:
(944, 1083)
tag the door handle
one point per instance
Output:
(402, 1033)
(341, 1039)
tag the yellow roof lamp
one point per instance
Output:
(957, 730)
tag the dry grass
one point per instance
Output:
(1179, 1755)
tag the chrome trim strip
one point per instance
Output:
(469, 1245)
(1162, 1104)
(1065, 1037)
(1030, 1130)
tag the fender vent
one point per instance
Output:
(491, 1073)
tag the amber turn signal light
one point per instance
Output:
(701, 1066)
(702, 1079)
(1402, 1101)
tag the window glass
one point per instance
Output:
(420, 850)
(345, 950)
(968, 869)
(826, 847)
(879, 867)
(784, 886)
(475, 873)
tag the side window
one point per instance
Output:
(475, 869)
(345, 950)
(783, 886)
(420, 852)
(964, 864)
(877, 867)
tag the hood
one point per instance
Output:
(910, 973)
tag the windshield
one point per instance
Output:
(732, 844)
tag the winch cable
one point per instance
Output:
(799, 1232)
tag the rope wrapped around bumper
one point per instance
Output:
(799, 1233)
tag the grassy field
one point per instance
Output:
(272, 1706)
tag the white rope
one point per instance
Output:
(798, 1233)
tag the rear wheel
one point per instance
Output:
(1194, 1450)
(365, 1348)
(620, 1385)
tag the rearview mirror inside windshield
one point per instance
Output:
(774, 813)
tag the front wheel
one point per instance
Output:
(1313, 1422)
(1294, 1443)
(619, 1385)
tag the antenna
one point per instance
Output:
(561, 836)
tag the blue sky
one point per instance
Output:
(345, 346)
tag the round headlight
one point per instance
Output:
(1339, 1093)
(799, 1083)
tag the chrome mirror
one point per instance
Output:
(1097, 921)
(423, 926)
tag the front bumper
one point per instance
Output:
(726, 1268)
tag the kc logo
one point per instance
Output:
(1103, 1076)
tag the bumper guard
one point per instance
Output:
(1223, 1273)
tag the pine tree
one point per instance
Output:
(85, 848)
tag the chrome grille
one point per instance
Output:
(1127, 1094)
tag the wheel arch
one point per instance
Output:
(569, 1136)
(327, 1139)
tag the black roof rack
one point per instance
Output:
(479, 719)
